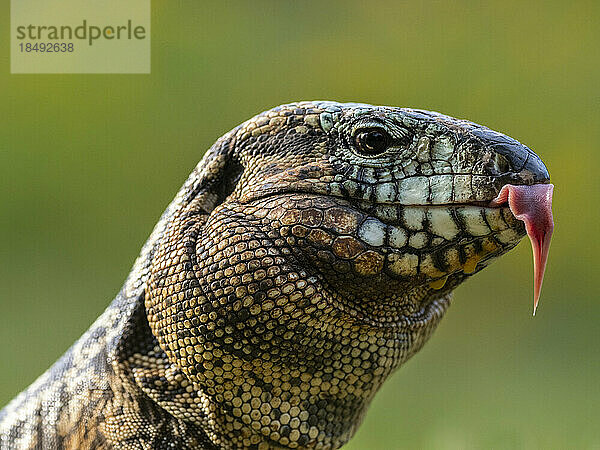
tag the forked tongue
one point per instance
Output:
(532, 205)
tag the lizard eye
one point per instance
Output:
(372, 141)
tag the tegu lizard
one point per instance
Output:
(311, 252)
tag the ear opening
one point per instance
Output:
(232, 173)
(214, 178)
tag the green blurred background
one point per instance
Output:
(89, 162)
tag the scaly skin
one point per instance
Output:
(291, 275)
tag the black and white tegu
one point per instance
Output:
(310, 253)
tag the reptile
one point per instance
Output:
(311, 252)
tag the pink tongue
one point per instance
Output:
(532, 205)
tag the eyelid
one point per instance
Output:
(368, 125)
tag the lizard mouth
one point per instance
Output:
(430, 228)
(530, 204)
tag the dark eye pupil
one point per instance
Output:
(375, 140)
(372, 142)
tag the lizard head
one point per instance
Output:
(402, 196)
(315, 249)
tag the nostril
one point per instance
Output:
(501, 163)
